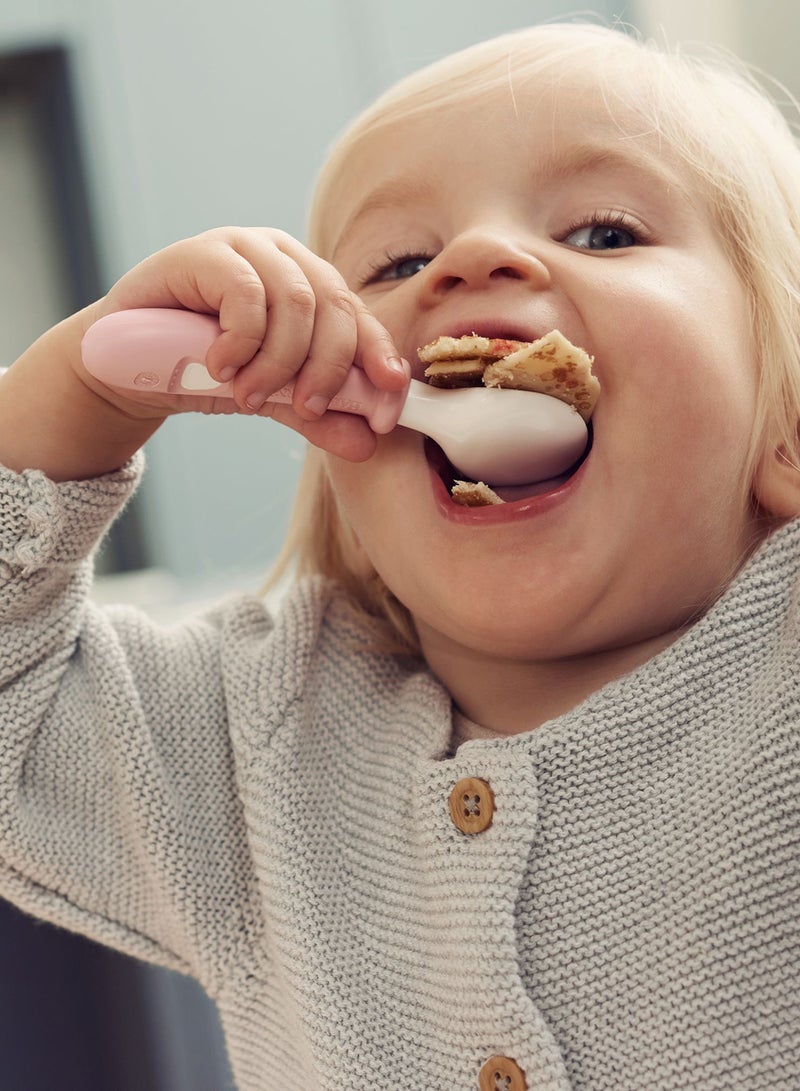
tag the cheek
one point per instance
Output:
(685, 362)
(351, 497)
(376, 496)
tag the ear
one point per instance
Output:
(777, 483)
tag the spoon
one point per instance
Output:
(500, 437)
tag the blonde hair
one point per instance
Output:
(710, 114)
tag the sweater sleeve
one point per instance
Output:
(119, 812)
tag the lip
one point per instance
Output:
(509, 331)
(492, 515)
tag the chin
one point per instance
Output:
(480, 626)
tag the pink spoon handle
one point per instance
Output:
(163, 350)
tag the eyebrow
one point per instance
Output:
(389, 194)
(401, 190)
(588, 158)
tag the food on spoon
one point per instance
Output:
(550, 365)
(461, 361)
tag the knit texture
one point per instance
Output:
(263, 803)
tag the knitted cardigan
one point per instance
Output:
(262, 803)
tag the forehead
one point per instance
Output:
(527, 132)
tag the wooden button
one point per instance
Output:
(472, 805)
(502, 1074)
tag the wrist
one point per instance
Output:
(55, 417)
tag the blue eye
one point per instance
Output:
(407, 267)
(602, 236)
(397, 267)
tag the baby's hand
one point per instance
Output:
(286, 315)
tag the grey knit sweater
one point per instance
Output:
(263, 804)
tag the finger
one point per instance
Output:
(230, 285)
(333, 334)
(333, 343)
(202, 274)
(291, 307)
(377, 353)
(342, 322)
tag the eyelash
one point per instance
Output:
(599, 218)
(387, 260)
(610, 218)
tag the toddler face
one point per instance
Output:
(511, 218)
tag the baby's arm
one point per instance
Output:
(119, 812)
(285, 314)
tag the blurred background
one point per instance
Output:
(123, 127)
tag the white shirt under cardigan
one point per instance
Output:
(263, 804)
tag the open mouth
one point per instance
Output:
(549, 366)
(504, 494)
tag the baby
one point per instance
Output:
(504, 797)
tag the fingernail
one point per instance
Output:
(226, 374)
(317, 404)
(255, 400)
(396, 364)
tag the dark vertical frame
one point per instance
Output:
(41, 78)
(73, 1015)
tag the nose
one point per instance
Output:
(478, 259)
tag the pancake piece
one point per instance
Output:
(551, 366)
(461, 361)
(474, 494)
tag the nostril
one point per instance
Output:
(506, 271)
(449, 282)
(446, 283)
